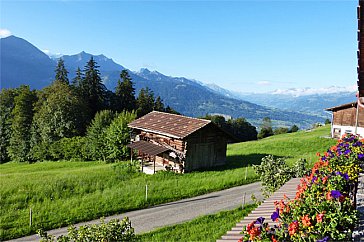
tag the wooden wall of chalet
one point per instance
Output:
(205, 148)
(347, 117)
(162, 139)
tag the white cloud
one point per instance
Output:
(4, 33)
(312, 91)
(51, 54)
(264, 83)
(47, 52)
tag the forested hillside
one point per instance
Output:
(79, 119)
(32, 67)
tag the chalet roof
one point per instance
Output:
(147, 147)
(172, 125)
(343, 106)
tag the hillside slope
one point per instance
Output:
(26, 64)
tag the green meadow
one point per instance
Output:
(63, 193)
(204, 228)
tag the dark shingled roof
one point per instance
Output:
(347, 105)
(147, 147)
(171, 125)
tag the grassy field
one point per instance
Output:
(204, 228)
(62, 193)
(293, 146)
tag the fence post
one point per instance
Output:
(30, 217)
(146, 192)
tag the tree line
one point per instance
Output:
(77, 119)
(239, 128)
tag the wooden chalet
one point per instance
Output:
(344, 120)
(178, 143)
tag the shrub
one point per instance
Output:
(96, 134)
(118, 136)
(71, 148)
(126, 170)
(114, 230)
(273, 172)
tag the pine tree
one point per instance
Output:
(78, 78)
(158, 104)
(19, 145)
(61, 72)
(125, 93)
(92, 89)
(145, 101)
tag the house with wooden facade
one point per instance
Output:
(347, 119)
(173, 142)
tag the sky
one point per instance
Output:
(246, 46)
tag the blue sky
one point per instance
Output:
(248, 46)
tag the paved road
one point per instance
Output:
(180, 211)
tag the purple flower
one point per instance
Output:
(346, 152)
(275, 215)
(325, 239)
(360, 156)
(314, 179)
(259, 220)
(356, 144)
(346, 176)
(335, 193)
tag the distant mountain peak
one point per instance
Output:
(144, 71)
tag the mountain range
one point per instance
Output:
(23, 63)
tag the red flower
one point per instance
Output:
(273, 239)
(293, 228)
(254, 232)
(328, 195)
(306, 221)
(250, 226)
(319, 217)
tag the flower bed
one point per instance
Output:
(324, 206)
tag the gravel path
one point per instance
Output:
(177, 212)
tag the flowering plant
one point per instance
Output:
(323, 209)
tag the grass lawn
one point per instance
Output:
(63, 193)
(302, 144)
(204, 228)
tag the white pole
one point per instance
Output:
(30, 217)
(146, 192)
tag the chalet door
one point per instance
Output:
(206, 155)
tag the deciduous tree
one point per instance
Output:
(6, 107)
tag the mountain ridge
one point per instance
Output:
(190, 97)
